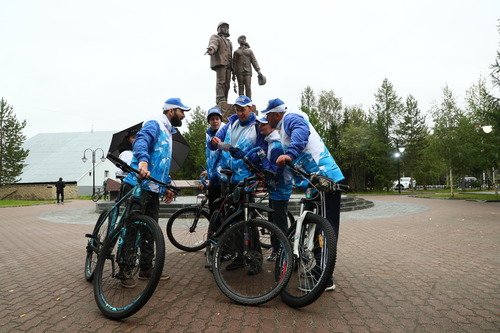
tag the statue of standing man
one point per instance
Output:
(243, 60)
(220, 50)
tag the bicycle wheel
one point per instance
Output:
(248, 279)
(95, 244)
(138, 245)
(96, 196)
(187, 227)
(313, 268)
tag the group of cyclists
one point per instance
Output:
(283, 135)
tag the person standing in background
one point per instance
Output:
(60, 185)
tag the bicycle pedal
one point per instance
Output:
(209, 267)
(89, 235)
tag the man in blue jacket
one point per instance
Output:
(242, 133)
(280, 187)
(303, 146)
(213, 157)
(152, 157)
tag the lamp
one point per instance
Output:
(84, 159)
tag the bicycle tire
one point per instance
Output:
(119, 259)
(305, 269)
(96, 196)
(95, 244)
(179, 228)
(257, 280)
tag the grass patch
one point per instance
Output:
(464, 196)
(17, 203)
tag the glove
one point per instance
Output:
(237, 153)
(261, 154)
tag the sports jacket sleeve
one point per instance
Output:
(145, 139)
(298, 130)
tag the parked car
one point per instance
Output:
(405, 183)
(470, 182)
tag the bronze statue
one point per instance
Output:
(220, 50)
(243, 60)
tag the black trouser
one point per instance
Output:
(60, 194)
(279, 217)
(148, 204)
(214, 192)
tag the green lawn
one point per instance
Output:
(17, 203)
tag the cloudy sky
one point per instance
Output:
(74, 66)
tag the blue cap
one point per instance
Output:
(175, 103)
(214, 110)
(262, 120)
(275, 105)
(243, 101)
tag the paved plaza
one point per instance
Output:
(406, 265)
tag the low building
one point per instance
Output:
(55, 155)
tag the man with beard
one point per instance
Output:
(152, 157)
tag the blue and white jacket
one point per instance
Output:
(153, 144)
(242, 135)
(303, 144)
(213, 157)
(280, 188)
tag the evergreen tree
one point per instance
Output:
(384, 114)
(12, 156)
(411, 133)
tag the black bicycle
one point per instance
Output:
(100, 193)
(120, 239)
(234, 246)
(187, 228)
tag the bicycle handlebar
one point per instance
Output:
(251, 166)
(127, 168)
(315, 180)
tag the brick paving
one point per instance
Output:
(435, 269)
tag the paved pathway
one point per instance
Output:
(406, 265)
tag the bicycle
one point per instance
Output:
(234, 249)
(100, 193)
(313, 241)
(183, 227)
(119, 238)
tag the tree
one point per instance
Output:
(384, 114)
(12, 156)
(452, 132)
(195, 136)
(411, 133)
(354, 147)
(324, 115)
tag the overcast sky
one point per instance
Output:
(74, 66)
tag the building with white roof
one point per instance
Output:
(55, 155)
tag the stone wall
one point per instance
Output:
(36, 192)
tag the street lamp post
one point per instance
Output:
(84, 159)
(398, 155)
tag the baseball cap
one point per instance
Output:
(175, 103)
(214, 110)
(275, 105)
(243, 101)
(262, 120)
